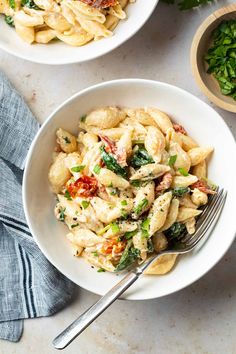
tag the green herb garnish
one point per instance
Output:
(101, 270)
(129, 256)
(112, 164)
(115, 228)
(172, 160)
(183, 172)
(140, 158)
(78, 168)
(180, 191)
(141, 206)
(124, 214)
(9, 20)
(102, 231)
(145, 227)
(74, 225)
(221, 57)
(85, 204)
(67, 195)
(97, 169)
(124, 202)
(95, 253)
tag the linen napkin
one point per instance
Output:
(29, 285)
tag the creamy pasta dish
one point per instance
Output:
(128, 185)
(71, 21)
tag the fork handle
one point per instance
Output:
(84, 320)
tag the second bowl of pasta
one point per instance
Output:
(124, 176)
(72, 31)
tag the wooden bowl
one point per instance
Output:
(201, 42)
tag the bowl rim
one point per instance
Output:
(202, 29)
(29, 156)
(95, 55)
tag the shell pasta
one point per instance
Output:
(72, 21)
(128, 185)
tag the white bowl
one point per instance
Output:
(202, 123)
(57, 52)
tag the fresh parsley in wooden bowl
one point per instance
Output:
(213, 57)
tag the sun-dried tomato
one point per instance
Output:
(84, 186)
(165, 183)
(203, 187)
(102, 4)
(113, 245)
(179, 129)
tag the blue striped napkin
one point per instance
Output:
(30, 285)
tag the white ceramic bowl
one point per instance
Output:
(57, 52)
(201, 122)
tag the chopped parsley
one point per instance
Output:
(124, 202)
(141, 206)
(97, 169)
(183, 172)
(172, 160)
(95, 253)
(115, 228)
(85, 204)
(78, 168)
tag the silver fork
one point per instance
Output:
(183, 245)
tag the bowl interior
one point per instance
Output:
(201, 44)
(58, 52)
(201, 122)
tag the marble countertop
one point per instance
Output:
(199, 319)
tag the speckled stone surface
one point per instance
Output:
(200, 319)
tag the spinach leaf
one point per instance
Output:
(140, 158)
(150, 247)
(175, 230)
(31, 4)
(9, 20)
(129, 256)
(12, 4)
(112, 164)
(180, 191)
